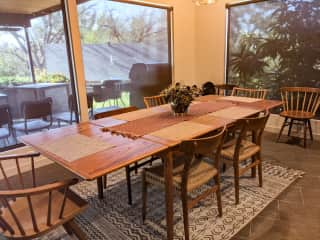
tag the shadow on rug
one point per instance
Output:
(113, 219)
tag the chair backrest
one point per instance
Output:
(154, 101)
(202, 147)
(13, 223)
(225, 89)
(115, 112)
(5, 115)
(208, 88)
(255, 126)
(248, 92)
(303, 99)
(37, 109)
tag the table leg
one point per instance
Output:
(100, 187)
(168, 165)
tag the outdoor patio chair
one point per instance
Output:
(67, 117)
(5, 124)
(240, 148)
(191, 171)
(300, 105)
(28, 210)
(248, 92)
(35, 114)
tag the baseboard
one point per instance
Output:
(275, 122)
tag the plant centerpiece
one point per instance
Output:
(180, 97)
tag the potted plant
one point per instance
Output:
(180, 98)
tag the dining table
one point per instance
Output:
(98, 147)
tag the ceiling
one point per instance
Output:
(26, 6)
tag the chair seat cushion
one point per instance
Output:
(200, 173)
(4, 132)
(247, 150)
(74, 205)
(297, 114)
(32, 125)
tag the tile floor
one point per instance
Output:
(295, 215)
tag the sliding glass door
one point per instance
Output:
(35, 86)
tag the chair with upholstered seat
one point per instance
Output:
(5, 123)
(29, 211)
(300, 105)
(154, 101)
(248, 92)
(35, 114)
(192, 170)
(240, 148)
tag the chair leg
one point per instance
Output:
(105, 181)
(72, 228)
(184, 198)
(218, 194)
(282, 128)
(144, 195)
(253, 169)
(136, 168)
(305, 124)
(290, 127)
(310, 129)
(236, 182)
(260, 170)
(129, 185)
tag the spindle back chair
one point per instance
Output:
(154, 101)
(31, 211)
(300, 105)
(248, 92)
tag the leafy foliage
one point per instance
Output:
(281, 47)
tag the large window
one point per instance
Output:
(126, 52)
(274, 43)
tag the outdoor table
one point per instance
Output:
(40, 88)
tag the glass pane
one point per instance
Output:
(125, 51)
(34, 74)
(273, 44)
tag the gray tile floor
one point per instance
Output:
(295, 214)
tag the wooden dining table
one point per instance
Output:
(95, 148)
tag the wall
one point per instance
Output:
(184, 39)
(210, 24)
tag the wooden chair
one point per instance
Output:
(300, 105)
(129, 169)
(29, 211)
(154, 101)
(6, 123)
(115, 112)
(35, 114)
(225, 89)
(241, 149)
(191, 171)
(251, 93)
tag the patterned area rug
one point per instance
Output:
(113, 219)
